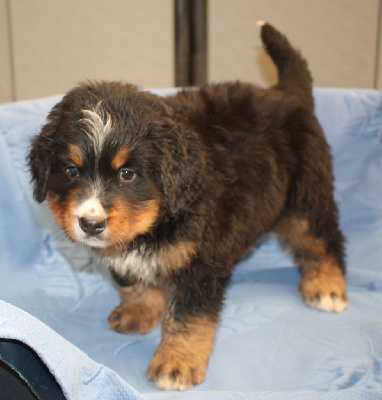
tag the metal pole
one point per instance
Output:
(198, 48)
(182, 43)
(190, 42)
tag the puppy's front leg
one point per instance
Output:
(188, 330)
(140, 310)
(182, 357)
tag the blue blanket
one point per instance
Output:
(55, 296)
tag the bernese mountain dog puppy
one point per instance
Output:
(173, 192)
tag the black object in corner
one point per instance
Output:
(23, 375)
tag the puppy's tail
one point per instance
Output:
(293, 72)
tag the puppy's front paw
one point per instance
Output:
(182, 358)
(125, 320)
(140, 310)
(172, 371)
(327, 293)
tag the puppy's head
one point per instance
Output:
(112, 163)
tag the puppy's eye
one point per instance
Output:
(72, 172)
(126, 175)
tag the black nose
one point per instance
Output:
(91, 226)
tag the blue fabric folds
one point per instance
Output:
(55, 296)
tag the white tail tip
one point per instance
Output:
(260, 23)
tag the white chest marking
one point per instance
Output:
(143, 268)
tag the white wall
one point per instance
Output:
(6, 90)
(56, 43)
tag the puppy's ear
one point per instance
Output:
(183, 167)
(41, 155)
(40, 161)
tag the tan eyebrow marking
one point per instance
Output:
(76, 155)
(120, 158)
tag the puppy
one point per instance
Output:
(173, 192)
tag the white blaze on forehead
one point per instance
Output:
(91, 209)
(98, 124)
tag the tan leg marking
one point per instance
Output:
(140, 311)
(182, 357)
(295, 232)
(323, 284)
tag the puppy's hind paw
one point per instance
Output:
(329, 303)
(326, 292)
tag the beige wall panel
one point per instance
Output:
(5, 63)
(379, 71)
(59, 43)
(338, 37)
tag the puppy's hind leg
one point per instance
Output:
(319, 254)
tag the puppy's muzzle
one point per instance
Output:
(92, 227)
